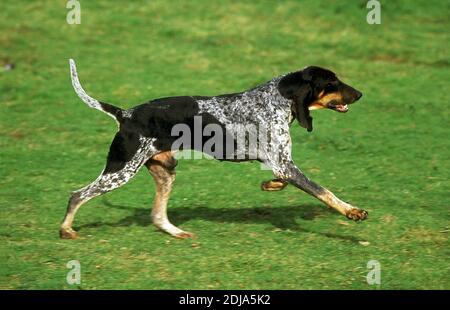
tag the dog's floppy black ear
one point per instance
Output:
(295, 88)
(302, 107)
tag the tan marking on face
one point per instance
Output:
(315, 106)
(323, 99)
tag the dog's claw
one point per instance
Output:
(357, 214)
(67, 233)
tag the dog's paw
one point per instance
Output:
(273, 185)
(357, 214)
(184, 235)
(67, 233)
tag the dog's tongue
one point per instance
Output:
(341, 108)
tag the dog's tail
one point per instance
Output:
(107, 108)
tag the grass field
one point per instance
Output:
(389, 155)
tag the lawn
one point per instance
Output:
(389, 155)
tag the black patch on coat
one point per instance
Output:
(113, 110)
(156, 119)
(124, 146)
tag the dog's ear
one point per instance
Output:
(302, 107)
(295, 88)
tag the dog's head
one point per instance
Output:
(316, 88)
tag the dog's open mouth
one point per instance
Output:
(338, 107)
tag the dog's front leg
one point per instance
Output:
(294, 176)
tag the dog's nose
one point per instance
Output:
(358, 95)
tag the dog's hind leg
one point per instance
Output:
(162, 169)
(104, 183)
(116, 173)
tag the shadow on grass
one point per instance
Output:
(281, 217)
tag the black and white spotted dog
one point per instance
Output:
(144, 137)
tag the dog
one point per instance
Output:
(144, 137)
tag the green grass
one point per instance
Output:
(388, 155)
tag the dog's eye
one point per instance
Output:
(329, 87)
